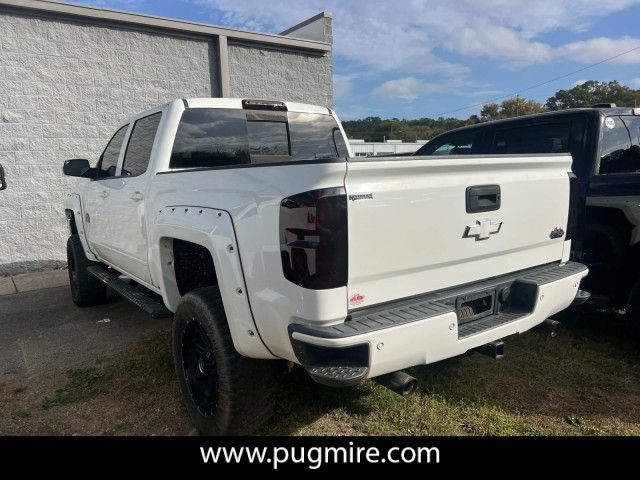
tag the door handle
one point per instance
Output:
(104, 194)
(136, 196)
(483, 198)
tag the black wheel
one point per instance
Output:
(86, 290)
(224, 392)
(633, 308)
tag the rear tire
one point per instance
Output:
(633, 308)
(224, 392)
(86, 290)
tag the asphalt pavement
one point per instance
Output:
(42, 328)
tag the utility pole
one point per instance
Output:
(517, 105)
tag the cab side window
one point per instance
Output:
(543, 138)
(109, 159)
(460, 143)
(138, 154)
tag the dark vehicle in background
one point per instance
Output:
(604, 142)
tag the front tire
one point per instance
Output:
(86, 290)
(224, 393)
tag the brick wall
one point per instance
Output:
(276, 74)
(64, 86)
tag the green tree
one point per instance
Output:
(591, 92)
(511, 107)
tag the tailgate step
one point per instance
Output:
(140, 299)
(336, 375)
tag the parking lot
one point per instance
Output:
(108, 370)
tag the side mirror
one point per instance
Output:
(78, 167)
(3, 182)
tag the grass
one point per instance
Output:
(584, 382)
(83, 384)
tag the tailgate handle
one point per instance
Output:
(483, 198)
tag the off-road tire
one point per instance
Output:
(633, 308)
(86, 290)
(241, 390)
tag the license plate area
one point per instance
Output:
(476, 305)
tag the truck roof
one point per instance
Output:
(555, 113)
(237, 103)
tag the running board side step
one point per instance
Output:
(140, 299)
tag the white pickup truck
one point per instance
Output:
(250, 222)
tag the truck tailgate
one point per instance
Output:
(425, 224)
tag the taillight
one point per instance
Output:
(574, 202)
(313, 238)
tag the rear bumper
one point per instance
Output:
(427, 329)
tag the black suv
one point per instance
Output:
(604, 142)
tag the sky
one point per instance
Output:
(431, 58)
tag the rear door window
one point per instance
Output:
(542, 138)
(619, 148)
(138, 154)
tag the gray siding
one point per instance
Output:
(63, 88)
(283, 75)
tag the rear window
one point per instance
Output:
(619, 145)
(312, 136)
(544, 138)
(268, 141)
(209, 137)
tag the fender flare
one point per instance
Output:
(213, 229)
(73, 204)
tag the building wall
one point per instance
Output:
(66, 84)
(277, 74)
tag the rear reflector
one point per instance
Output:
(313, 238)
(263, 105)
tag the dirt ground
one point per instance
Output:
(584, 382)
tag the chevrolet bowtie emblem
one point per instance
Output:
(482, 229)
